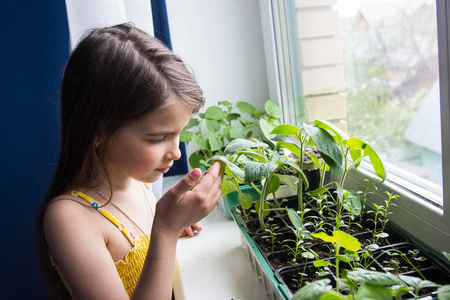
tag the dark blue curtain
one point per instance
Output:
(34, 49)
(162, 32)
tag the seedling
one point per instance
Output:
(338, 240)
(272, 235)
(301, 235)
(380, 219)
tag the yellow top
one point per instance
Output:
(130, 268)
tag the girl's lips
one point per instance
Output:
(165, 170)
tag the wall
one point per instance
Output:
(222, 41)
(35, 46)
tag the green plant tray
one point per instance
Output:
(273, 288)
(230, 200)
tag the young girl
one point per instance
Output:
(125, 98)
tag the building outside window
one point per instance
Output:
(371, 67)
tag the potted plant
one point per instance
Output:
(219, 125)
(297, 229)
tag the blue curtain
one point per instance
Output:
(162, 32)
(35, 48)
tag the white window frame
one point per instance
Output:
(417, 214)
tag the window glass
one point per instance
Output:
(371, 67)
(392, 82)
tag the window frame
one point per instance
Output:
(417, 215)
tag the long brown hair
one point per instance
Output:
(114, 76)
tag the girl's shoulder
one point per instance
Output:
(66, 205)
(68, 214)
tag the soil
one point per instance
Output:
(294, 280)
(254, 227)
(284, 258)
(280, 257)
(391, 260)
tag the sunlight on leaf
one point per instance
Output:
(313, 290)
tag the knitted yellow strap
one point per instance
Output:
(107, 215)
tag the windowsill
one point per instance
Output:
(213, 264)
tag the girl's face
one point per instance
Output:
(147, 148)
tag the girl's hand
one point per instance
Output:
(191, 230)
(187, 203)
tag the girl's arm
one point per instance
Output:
(85, 261)
(176, 210)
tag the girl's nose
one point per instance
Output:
(174, 153)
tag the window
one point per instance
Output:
(371, 67)
(84, 15)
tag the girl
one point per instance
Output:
(125, 98)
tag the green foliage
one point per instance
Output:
(223, 125)
(363, 284)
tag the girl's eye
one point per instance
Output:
(158, 140)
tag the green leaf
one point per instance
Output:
(194, 160)
(266, 128)
(300, 174)
(417, 283)
(245, 107)
(375, 159)
(373, 292)
(255, 155)
(202, 141)
(215, 143)
(240, 144)
(215, 113)
(328, 148)
(232, 117)
(343, 258)
(227, 104)
(315, 160)
(340, 135)
(246, 200)
(333, 295)
(212, 125)
(230, 168)
(324, 237)
(186, 136)
(313, 290)
(294, 148)
(321, 263)
(287, 180)
(400, 291)
(192, 123)
(236, 132)
(266, 207)
(446, 255)
(295, 218)
(227, 186)
(258, 114)
(274, 184)
(285, 129)
(272, 109)
(318, 192)
(340, 238)
(256, 170)
(444, 292)
(354, 202)
(374, 277)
